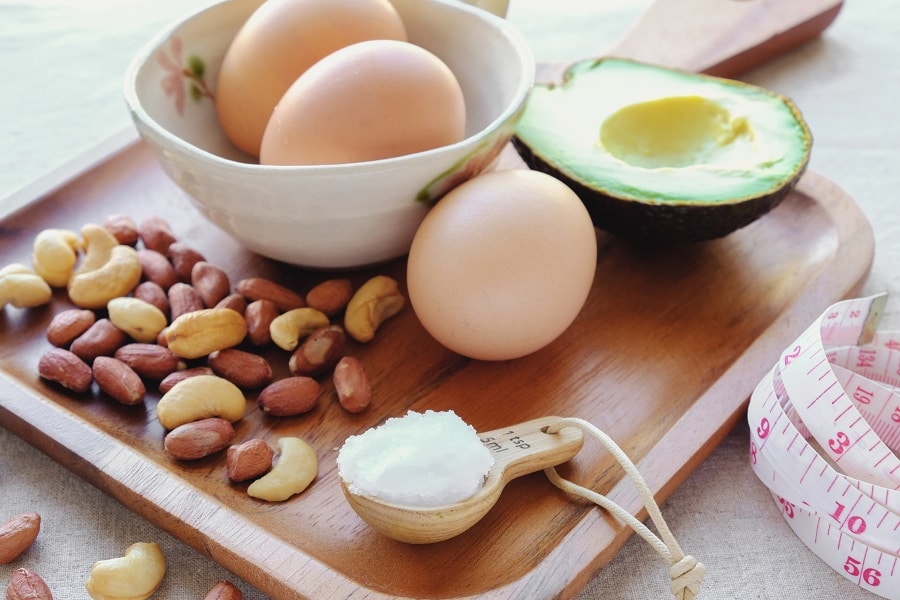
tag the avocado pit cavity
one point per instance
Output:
(675, 132)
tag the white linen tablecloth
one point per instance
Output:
(61, 67)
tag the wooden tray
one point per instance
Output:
(663, 358)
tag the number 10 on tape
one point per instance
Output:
(825, 438)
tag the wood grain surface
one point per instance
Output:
(666, 351)
(663, 356)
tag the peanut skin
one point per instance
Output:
(17, 534)
(289, 396)
(118, 380)
(66, 369)
(101, 339)
(248, 460)
(224, 590)
(197, 439)
(352, 385)
(25, 584)
(68, 325)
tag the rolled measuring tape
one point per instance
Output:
(825, 438)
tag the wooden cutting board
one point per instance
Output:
(663, 357)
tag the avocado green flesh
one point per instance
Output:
(670, 141)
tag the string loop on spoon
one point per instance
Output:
(685, 572)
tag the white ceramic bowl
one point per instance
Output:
(334, 216)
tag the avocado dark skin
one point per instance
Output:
(683, 157)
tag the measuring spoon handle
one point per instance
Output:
(525, 448)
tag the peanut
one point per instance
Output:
(245, 370)
(202, 332)
(55, 254)
(330, 296)
(352, 385)
(248, 460)
(183, 299)
(259, 315)
(318, 352)
(134, 576)
(289, 396)
(27, 585)
(139, 319)
(211, 283)
(295, 468)
(150, 361)
(22, 288)
(123, 228)
(157, 268)
(63, 367)
(156, 234)
(377, 300)
(288, 328)
(17, 534)
(183, 259)
(197, 439)
(153, 294)
(119, 381)
(174, 377)
(68, 325)
(233, 301)
(258, 288)
(101, 339)
(224, 590)
(200, 397)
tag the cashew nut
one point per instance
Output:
(134, 576)
(54, 255)
(294, 470)
(116, 277)
(376, 301)
(200, 397)
(98, 245)
(22, 287)
(202, 332)
(289, 327)
(138, 318)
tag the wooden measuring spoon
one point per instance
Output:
(518, 450)
(718, 37)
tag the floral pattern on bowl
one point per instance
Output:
(193, 71)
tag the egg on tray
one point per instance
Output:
(502, 265)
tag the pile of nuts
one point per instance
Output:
(149, 308)
(134, 576)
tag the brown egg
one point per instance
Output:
(372, 100)
(280, 41)
(502, 265)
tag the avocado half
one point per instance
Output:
(658, 153)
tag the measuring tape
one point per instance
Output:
(825, 437)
